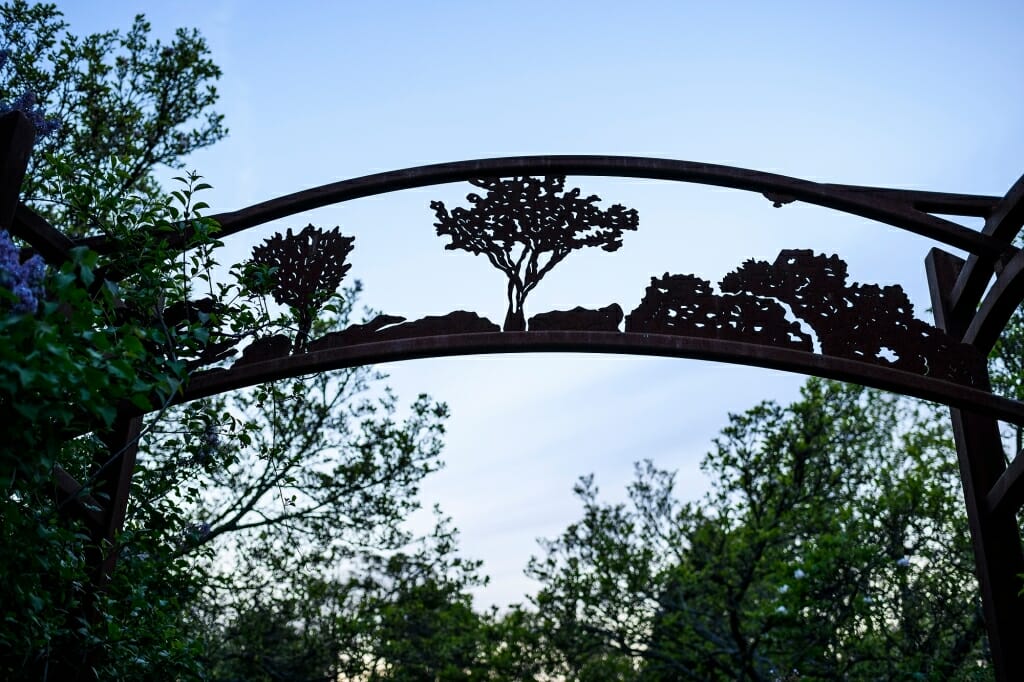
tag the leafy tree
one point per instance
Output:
(832, 545)
(526, 226)
(319, 463)
(69, 360)
(290, 478)
(414, 618)
(402, 615)
(116, 97)
(276, 641)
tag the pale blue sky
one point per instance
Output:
(923, 95)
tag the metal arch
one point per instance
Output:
(992, 493)
(17, 136)
(664, 345)
(1007, 493)
(904, 209)
(982, 327)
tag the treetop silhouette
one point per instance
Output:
(526, 226)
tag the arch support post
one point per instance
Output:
(994, 532)
(113, 486)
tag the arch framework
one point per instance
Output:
(972, 299)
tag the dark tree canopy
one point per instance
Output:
(526, 226)
(832, 545)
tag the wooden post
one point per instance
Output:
(16, 139)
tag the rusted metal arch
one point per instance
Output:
(992, 492)
(984, 325)
(904, 209)
(665, 345)
(989, 493)
(17, 135)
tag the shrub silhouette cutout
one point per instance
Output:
(308, 268)
(863, 322)
(526, 226)
(688, 305)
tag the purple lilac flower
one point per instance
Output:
(24, 280)
(26, 103)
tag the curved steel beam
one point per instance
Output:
(893, 207)
(1001, 300)
(1003, 225)
(666, 345)
(1007, 495)
(946, 203)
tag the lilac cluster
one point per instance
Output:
(24, 280)
(26, 103)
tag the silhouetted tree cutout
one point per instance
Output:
(526, 226)
(307, 268)
(859, 321)
(393, 327)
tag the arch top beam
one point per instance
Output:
(882, 206)
(904, 209)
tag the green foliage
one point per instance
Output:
(285, 480)
(120, 97)
(398, 615)
(238, 503)
(833, 544)
(93, 349)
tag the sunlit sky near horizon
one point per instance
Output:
(921, 95)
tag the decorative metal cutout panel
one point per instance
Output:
(863, 322)
(525, 226)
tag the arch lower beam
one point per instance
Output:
(892, 207)
(665, 345)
